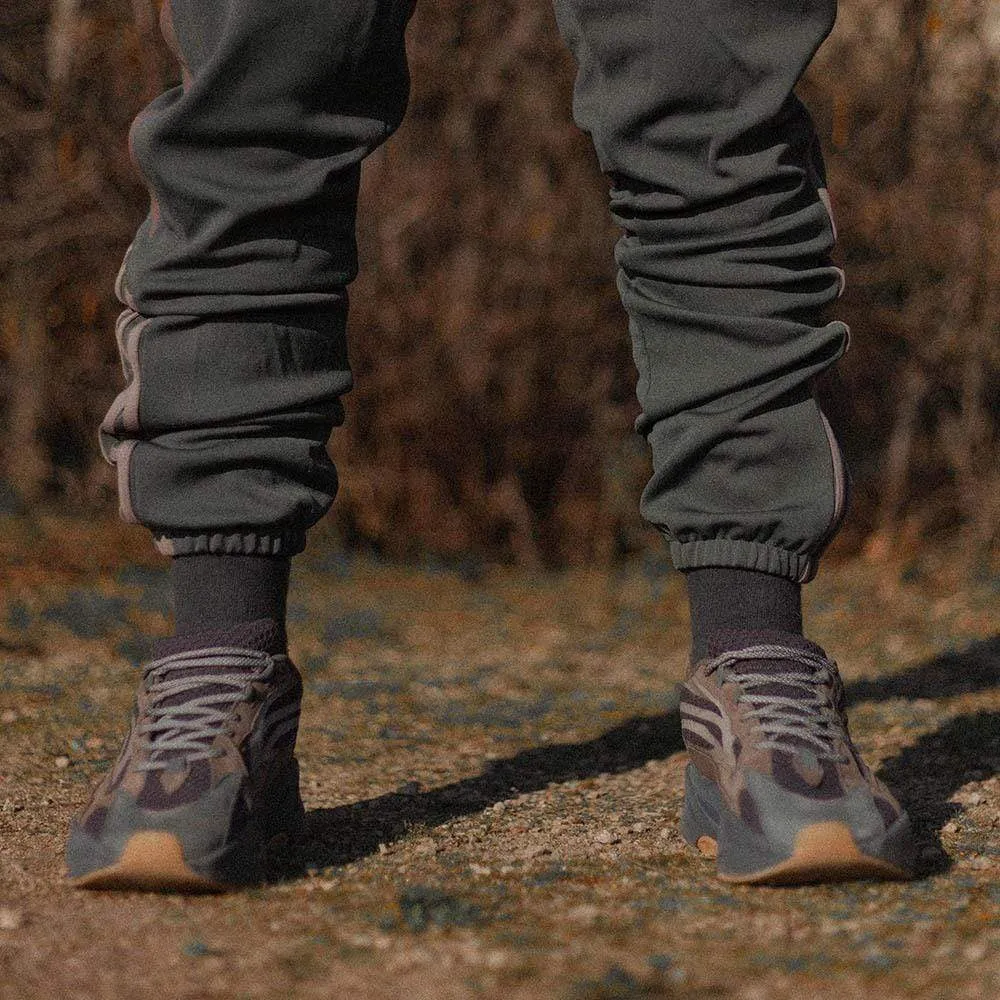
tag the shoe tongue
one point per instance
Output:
(264, 635)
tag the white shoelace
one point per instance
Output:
(178, 728)
(791, 719)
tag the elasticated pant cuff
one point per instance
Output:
(796, 566)
(249, 543)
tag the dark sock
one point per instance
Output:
(723, 599)
(213, 593)
(265, 635)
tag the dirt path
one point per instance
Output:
(493, 775)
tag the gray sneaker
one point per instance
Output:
(207, 775)
(776, 789)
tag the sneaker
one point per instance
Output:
(776, 790)
(207, 775)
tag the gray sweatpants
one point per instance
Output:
(234, 288)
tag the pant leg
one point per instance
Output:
(232, 337)
(717, 183)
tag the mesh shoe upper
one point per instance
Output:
(772, 714)
(201, 716)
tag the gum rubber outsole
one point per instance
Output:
(823, 852)
(151, 861)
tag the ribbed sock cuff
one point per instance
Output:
(215, 592)
(723, 599)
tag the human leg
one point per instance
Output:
(724, 270)
(232, 341)
(723, 267)
(234, 288)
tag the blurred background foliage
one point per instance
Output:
(494, 400)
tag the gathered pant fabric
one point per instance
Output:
(233, 333)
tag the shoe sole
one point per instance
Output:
(825, 851)
(151, 861)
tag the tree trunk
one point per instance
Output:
(26, 464)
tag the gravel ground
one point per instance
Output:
(493, 772)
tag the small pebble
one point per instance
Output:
(10, 919)
(975, 952)
(61, 762)
(8, 717)
(606, 837)
(532, 851)
(585, 913)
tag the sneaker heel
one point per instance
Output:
(699, 824)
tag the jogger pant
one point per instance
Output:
(234, 288)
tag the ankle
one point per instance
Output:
(213, 592)
(724, 601)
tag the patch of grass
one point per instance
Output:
(197, 948)
(422, 906)
(617, 984)
(87, 614)
(365, 623)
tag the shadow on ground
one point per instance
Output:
(924, 776)
(348, 833)
(975, 668)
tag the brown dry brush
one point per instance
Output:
(910, 103)
(71, 78)
(494, 396)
